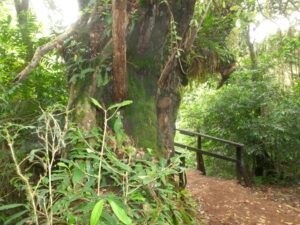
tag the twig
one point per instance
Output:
(102, 151)
(291, 207)
(23, 177)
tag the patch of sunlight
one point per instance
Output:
(264, 28)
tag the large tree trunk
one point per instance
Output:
(145, 54)
(168, 96)
(149, 51)
(150, 120)
(84, 56)
(154, 68)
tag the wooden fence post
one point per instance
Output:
(182, 175)
(239, 168)
(200, 161)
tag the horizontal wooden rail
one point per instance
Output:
(192, 133)
(205, 152)
(240, 171)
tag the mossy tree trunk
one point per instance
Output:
(172, 75)
(85, 53)
(150, 120)
(146, 46)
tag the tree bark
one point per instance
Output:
(150, 120)
(84, 58)
(152, 90)
(145, 53)
(119, 67)
(168, 96)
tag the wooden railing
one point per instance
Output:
(240, 171)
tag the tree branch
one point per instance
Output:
(43, 50)
(185, 45)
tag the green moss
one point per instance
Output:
(141, 116)
(84, 113)
(141, 121)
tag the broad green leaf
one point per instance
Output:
(71, 220)
(61, 164)
(121, 104)
(119, 212)
(15, 216)
(97, 212)
(137, 196)
(10, 206)
(118, 163)
(24, 221)
(85, 71)
(107, 219)
(96, 103)
(146, 179)
(119, 131)
(77, 176)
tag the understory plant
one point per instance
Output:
(98, 178)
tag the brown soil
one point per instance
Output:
(227, 202)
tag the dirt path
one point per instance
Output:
(226, 202)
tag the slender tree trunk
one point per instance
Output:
(251, 49)
(22, 10)
(119, 67)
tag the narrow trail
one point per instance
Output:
(226, 202)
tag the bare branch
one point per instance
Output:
(43, 50)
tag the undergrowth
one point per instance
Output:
(96, 178)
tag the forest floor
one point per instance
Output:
(225, 202)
